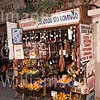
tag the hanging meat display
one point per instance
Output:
(46, 45)
(74, 54)
(61, 60)
(67, 47)
(49, 52)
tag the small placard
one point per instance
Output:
(90, 68)
(16, 35)
(18, 51)
(91, 83)
(53, 93)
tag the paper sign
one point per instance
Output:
(18, 51)
(28, 24)
(86, 45)
(91, 83)
(17, 35)
(53, 93)
(10, 25)
(90, 68)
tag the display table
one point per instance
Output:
(76, 91)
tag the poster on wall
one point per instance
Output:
(91, 83)
(10, 25)
(28, 24)
(86, 42)
(90, 68)
(16, 35)
(55, 19)
(18, 51)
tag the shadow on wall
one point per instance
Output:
(97, 2)
(97, 56)
(97, 79)
(97, 98)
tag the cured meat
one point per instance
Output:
(61, 61)
(67, 47)
(49, 51)
(61, 64)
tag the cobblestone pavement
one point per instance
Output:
(7, 93)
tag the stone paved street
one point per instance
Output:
(7, 93)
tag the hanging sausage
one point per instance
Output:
(61, 60)
(67, 47)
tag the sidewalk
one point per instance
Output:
(7, 93)
(97, 99)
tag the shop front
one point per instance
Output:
(53, 56)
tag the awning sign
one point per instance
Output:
(60, 19)
(56, 19)
(28, 24)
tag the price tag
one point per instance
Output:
(64, 52)
(53, 93)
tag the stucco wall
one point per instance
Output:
(9, 6)
(17, 3)
(97, 2)
(95, 14)
(97, 49)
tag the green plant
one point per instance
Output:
(47, 6)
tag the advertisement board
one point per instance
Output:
(86, 42)
(10, 25)
(28, 24)
(90, 68)
(17, 35)
(18, 51)
(60, 18)
(91, 83)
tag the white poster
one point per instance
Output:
(91, 83)
(17, 35)
(86, 42)
(18, 51)
(10, 25)
(90, 68)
